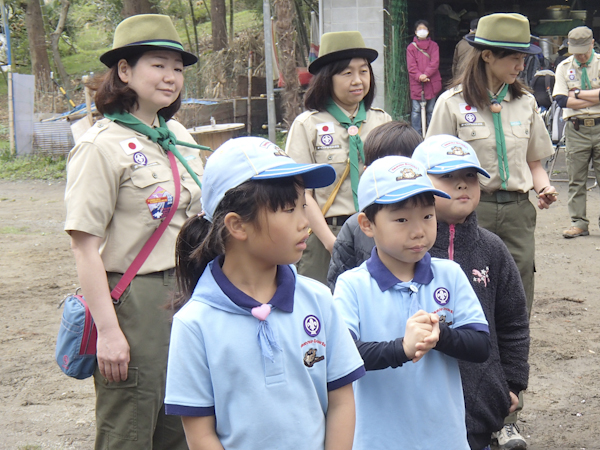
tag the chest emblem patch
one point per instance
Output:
(326, 140)
(131, 146)
(140, 159)
(311, 358)
(312, 325)
(465, 108)
(481, 276)
(441, 296)
(325, 128)
(159, 203)
(470, 117)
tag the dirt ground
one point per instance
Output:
(42, 408)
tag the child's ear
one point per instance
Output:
(365, 224)
(236, 226)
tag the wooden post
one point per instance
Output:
(88, 100)
(248, 105)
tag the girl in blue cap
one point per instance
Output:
(259, 356)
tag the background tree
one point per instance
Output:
(219, 24)
(133, 7)
(286, 43)
(54, 38)
(40, 64)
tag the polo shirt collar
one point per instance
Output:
(386, 279)
(284, 295)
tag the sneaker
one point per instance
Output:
(509, 438)
(574, 232)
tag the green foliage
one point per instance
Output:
(38, 167)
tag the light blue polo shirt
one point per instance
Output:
(418, 405)
(216, 365)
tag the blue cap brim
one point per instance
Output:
(314, 175)
(402, 194)
(452, 166)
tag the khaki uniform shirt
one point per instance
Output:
(120, 186)
(316, 137)
(568, 77)
(525, 133)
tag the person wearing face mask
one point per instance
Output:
(423, 60)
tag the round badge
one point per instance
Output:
(441, 296)
(325, 128)
(312, 326)
(140, 158)
(470, 117)
(353, 130)
(326, 139)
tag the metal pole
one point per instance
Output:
(269, 69)
(249, 103)
(11, 113)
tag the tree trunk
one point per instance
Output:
(286, 35)
(134, 7)
(40, 64)
(219, 24)
(54, 38)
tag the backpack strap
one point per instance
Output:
(420, 49)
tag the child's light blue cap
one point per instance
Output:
(393, 179)
(444, 153)
(252, 158)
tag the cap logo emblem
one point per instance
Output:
(457, 151)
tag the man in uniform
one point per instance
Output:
(462, 49)
(577, 91)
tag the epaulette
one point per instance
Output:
(457, 89)
(93, 132)
(377, 109)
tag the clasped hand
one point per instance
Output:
(421, 335)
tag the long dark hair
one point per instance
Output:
(200, 241)
(112, 95)
(474, 80)
(320, 89)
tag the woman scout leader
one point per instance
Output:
(490, 109)
(339, 117)
(120, 186)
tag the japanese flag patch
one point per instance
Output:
(465, 108)
(131, 146)
(325, 128)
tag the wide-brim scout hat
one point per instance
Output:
(580, 40)
(252, 158)
(506, 31)
(145, 32)
(393, 179)
(445, 153)
(340, 45)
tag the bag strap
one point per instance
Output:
(420, 49)
(139, 260)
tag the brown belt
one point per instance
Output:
(336, 220)
(584, 122)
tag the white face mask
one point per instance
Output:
(422, 34)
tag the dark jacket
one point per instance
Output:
(495, 279)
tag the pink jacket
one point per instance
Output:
(418, 64)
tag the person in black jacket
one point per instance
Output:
(491, 389)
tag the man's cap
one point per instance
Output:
(506, 31)
(580, 40)
(444, 153)
(393, 179)
(252, 158)
(142, 33)
(340, 45)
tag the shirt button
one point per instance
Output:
(182, 177)
(100, 125)
(526, 131)
(154, 175)
(473, 133)
(329, 158)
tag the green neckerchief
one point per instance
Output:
(585, 80)
(500, 141)
(356, 144)
(161, 135)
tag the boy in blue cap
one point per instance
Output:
(491, 389)
(399, 305)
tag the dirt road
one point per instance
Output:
(42, 408)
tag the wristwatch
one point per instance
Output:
(576, 92)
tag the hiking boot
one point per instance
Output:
(509, 438)
(574, 232)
